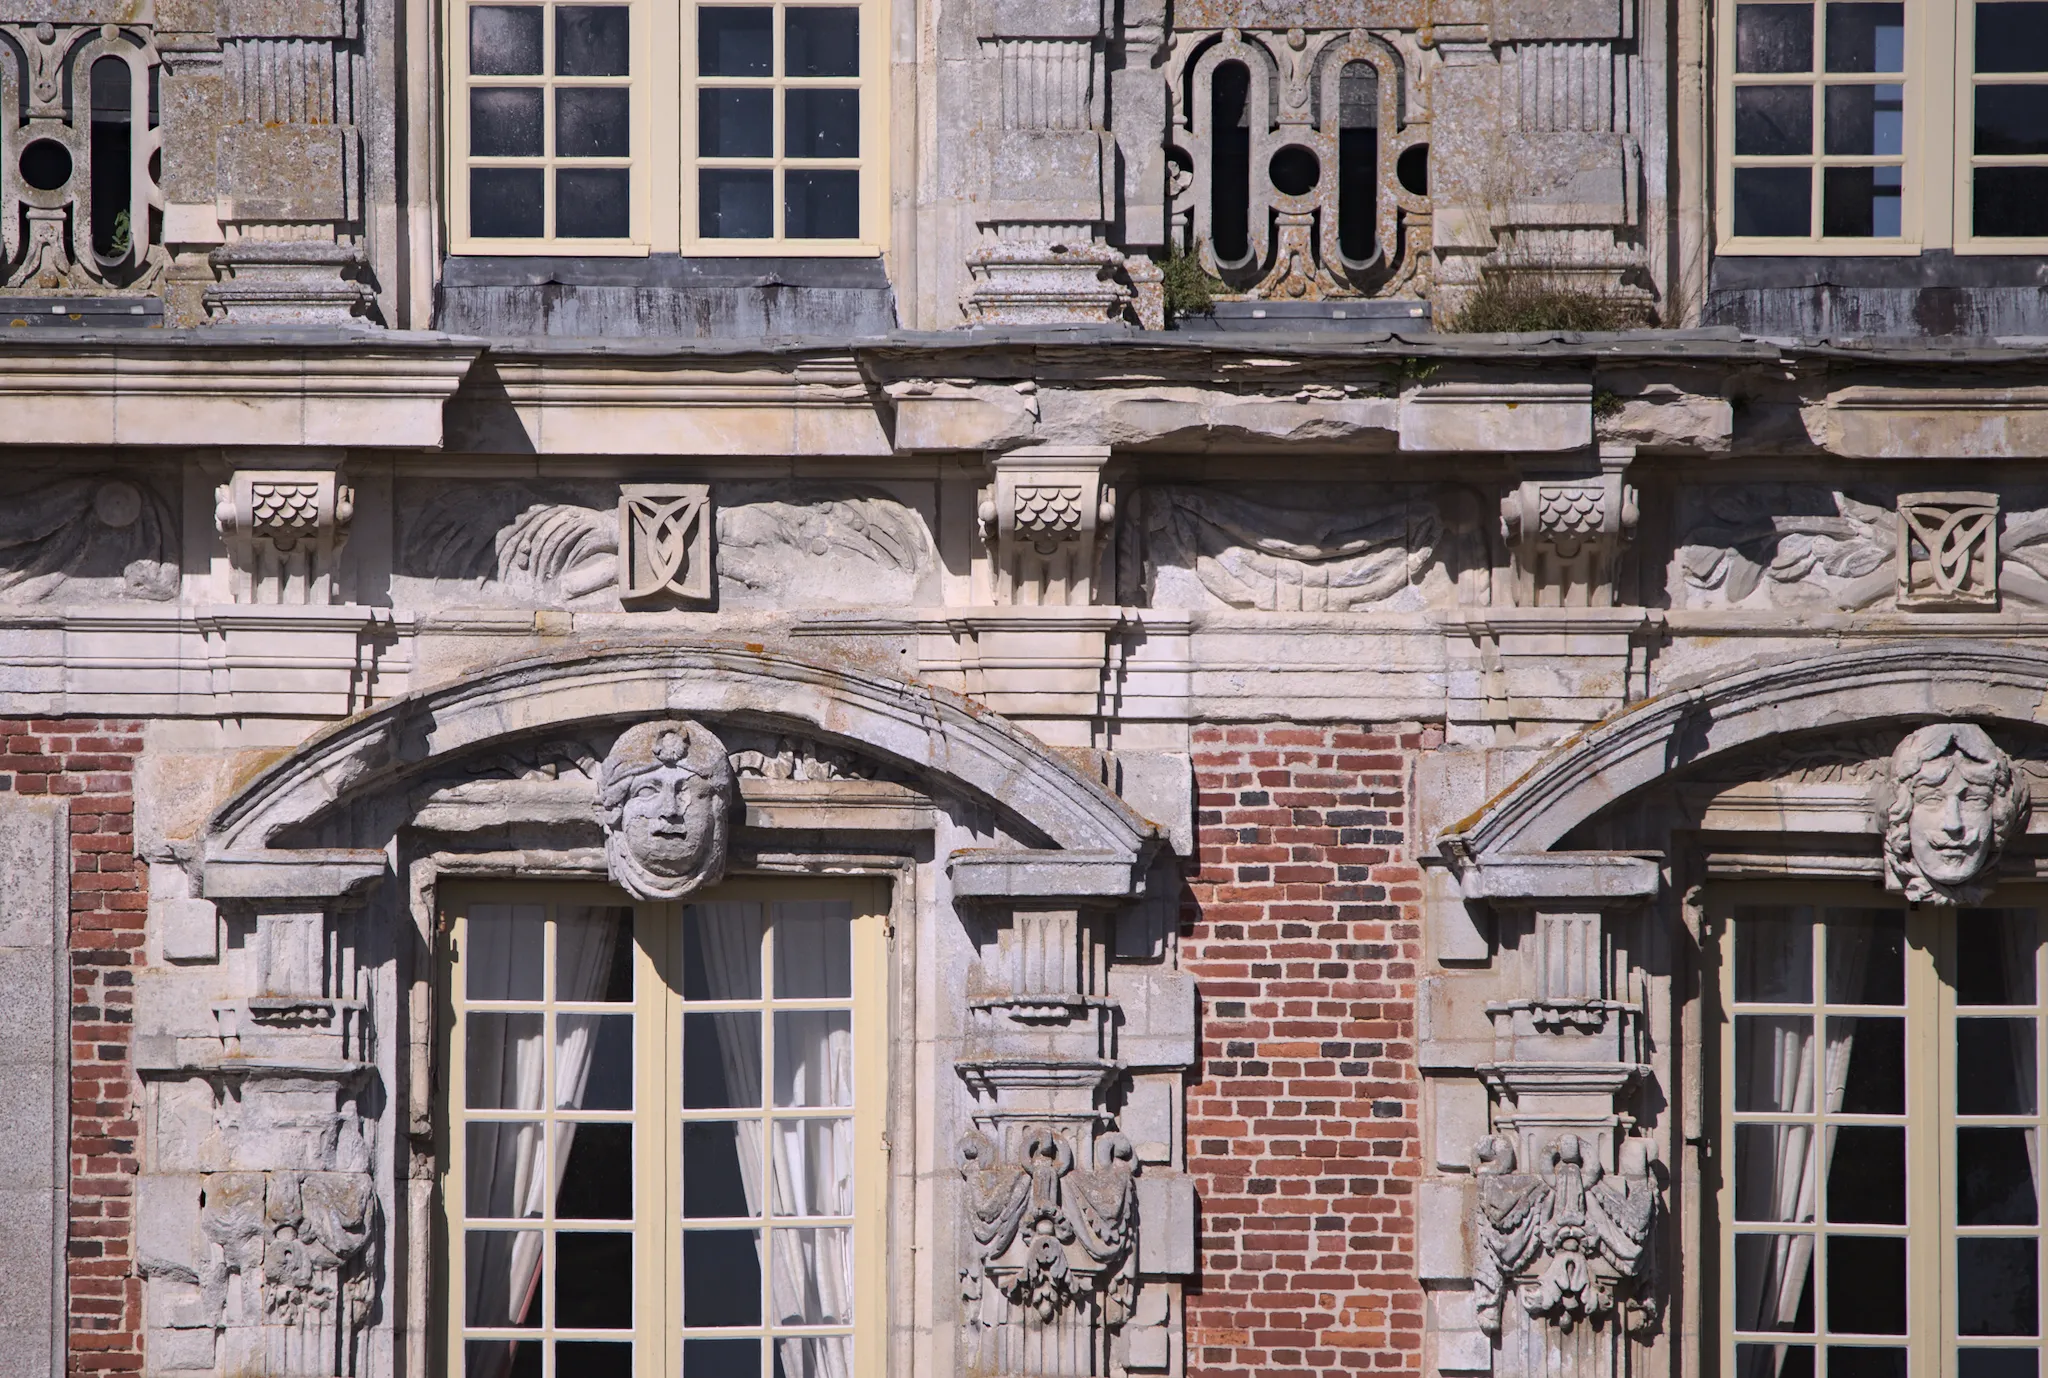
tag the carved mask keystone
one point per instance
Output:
(1954, 802)
(664, 796)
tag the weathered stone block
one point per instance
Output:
(285, 172)
(1159, 1016)
(1166, 1224)
(1442, 1228)
(286, 18)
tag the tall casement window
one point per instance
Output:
(1879, 1163)
(662, 1145)
(657, 126)
(1847, 127)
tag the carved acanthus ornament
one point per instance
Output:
(1569, 1241)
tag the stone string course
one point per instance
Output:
(1305, 933)
(90, 763)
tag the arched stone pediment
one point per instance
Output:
(1729, 718)
(324, 795)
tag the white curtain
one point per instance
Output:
(811, 1161)
(506, 1057)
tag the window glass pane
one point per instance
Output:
(594, 954)
(1773, 121)
(1775, 1063)
(1995, 1073)
(719, 1157)
(1998, 1286)
(821, 41)
(506, 946)
(816, 1354)
(813, 1057)
(1866, 957)
(1995, 1176)
(721, 1279)
(814, 950)
(592, 121)
(1866, 38)
(1867, 1175)
(813, 1277)
(1998, 1363)
(1772, 1162)
(592, 1359)
(504, 1061)
(505, 122)
(594, 1281)
(721, 1061)
(2012, 119)
(722, 942)
(597, 1171)
(2012, 37)
(1774, 38)
(506, 203)
(1774, 953)
(594, 1061)
(1995, 956)
(813, 1162)
(1774, 1282)
(1866, 119)
(493, 1262)
(736, 203)
(593, 41)
(821, 122)
(2008, 202)
(1773, 201)
(1860, 202)
(504, 40)
(721, 1359)
(736, 41)
(593, 203)
(1866, 1058)
(822, 205)
(502, 1171)
(1866, 1285)
(1774, 1361)
(1866, 1361)
(736, 123)
(497, 1358)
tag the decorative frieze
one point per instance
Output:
(87, 539)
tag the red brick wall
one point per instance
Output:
(1305, 934)
(90, 763)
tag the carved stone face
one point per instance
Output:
(664, 796)
(1955, 803)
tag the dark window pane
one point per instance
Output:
(597, 1174)
(721, 1359)
(721, 1061)
(2012, 37)
(496, 1148)
(821, 123)
(714, 1182)
(593, 203)
(1866, 1286)
(1859, 1361)
(1773, 201)
(1994, 1178)
(504, 40)
(1770, 1169)
(736, 41)
(489, 1298)
(822, 205)
(506, 944)
(1774, 1278)
(734, 203)
(1998, 1287)
(1995, 1066)
(2012, 119)
(814, 950)
(1773, 121)
(715, 939)
(1995, 957)
(499, 1046)
(589, 1359)
(1875, 1083)
(1866, 119)
(501, 1358)
(1866, 957)
(1866, 38)
(1998, 1363)
(1774, 1061)
(593, 41)
(736, 123)
(594, 1281)
(1774, 38)
(504, 122)
(600, 1048)
(592, 121)
(2008, 202)
(1774, 1361)
(1774, 955)
(507, 203)
(1867, 1175)
(1860, 202)
(721, 1279)
(821, 42)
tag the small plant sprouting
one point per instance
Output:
(1190, 289)
(124, 236)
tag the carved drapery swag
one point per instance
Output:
(1571, 1240)
(1247, 554)
(1045, 1229)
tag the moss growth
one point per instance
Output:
(1511, 303)
(1190, 291)
(1606, 404)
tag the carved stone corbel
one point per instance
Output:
(1042, 517)
(284, 530)
(1566, 532)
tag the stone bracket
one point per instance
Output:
(1046, 508)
